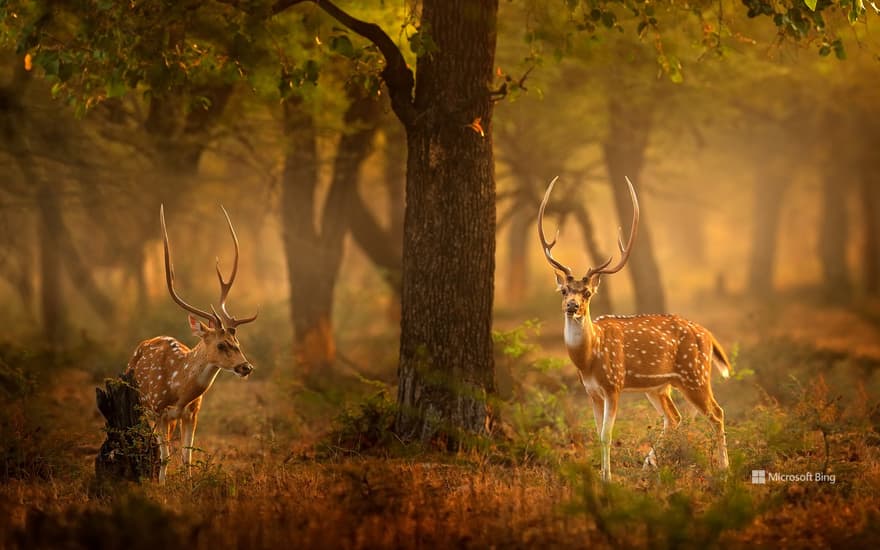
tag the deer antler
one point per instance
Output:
(228, 320)
(169, 278)
(624, 250)
(544, 244)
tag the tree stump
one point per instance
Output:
(130, 451)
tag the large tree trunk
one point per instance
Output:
(624, 148)
(313, 255)
(768, 193)
(446, 361)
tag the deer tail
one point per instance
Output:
(720, 360)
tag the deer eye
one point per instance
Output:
(587, 294)
(223, 346)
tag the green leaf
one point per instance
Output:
(342, 45)
(311, 70)
(811, 4)
(116, 88)
(609, 19)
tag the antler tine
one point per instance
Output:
(544, 244)
(624, 250)
(169, 275)
(228, 320)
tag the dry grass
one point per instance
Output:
(274, 472)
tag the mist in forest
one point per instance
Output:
(411, 383)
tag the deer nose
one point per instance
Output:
(243, 369)
(571, 307)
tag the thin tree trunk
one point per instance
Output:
(384, 247)
(518, 257)
(624, 150)
(833, 235)
(80, 274)
(313, 256)
(395, 181)
(376, 243)
(446, 352)
(601, 304)
(51, 293)
(834, 220)
(769, 191)
(870, 191)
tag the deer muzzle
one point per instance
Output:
(243, 369)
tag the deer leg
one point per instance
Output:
(164, 426)
(610, 413)
(663, 403)
(705, 402)
(188, 433)
(598, 412)
(717, 418)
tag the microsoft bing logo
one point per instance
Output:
(759, 477)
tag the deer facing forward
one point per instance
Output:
(172, 377)
(638, 353)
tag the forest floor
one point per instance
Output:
(281, 465)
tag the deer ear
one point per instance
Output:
(197, 327)
(560, 278)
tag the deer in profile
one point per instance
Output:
(172, 377)
(649, 353)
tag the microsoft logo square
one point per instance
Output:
(759, 477)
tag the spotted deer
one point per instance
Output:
(172, 377)
(648, 353)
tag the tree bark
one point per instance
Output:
(624, 149)
(130, 452)
(446, 351)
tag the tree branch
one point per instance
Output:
(397, 75)
(375, 242)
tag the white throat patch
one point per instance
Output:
(574, 331)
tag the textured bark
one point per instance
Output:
(314, 255)
(624, 149)
(769, 191)
(130, 452)
(446, 352)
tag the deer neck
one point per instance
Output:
(201, 372)
(581, 339)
